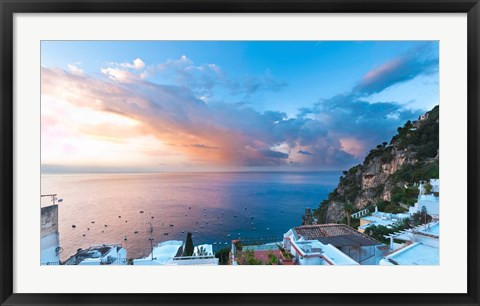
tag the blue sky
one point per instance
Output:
(230, 105)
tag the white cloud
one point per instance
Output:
(119, 75)
(75, 70)
(137, 64)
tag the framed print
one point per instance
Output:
(234, 152)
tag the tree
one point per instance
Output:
(223, 255)
(384, 143)
(428, 188)
(188, 251)
(348, 209)
(421, 217)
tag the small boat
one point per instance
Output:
(83, 235)
(102, 231)
(152, 217)
(106, 225)
(268, 228)
(93, 222)
(125, 238)
(207, 223)
(183, 232)
(171, 225)
(226, 243)
(228, 235)
(126, 221)
(135, 232)
(235, 216)
(88, 228)
(119, 216)
(141, 211)
(189, 207)
(166, 234)
(74, 226)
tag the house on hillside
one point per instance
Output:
(357, 246)
(381, 218)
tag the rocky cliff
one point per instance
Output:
(388, 173)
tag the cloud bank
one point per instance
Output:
(333, 133)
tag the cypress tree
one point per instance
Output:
(188, 251)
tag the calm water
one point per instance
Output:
(249, 204)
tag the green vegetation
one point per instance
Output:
(422, 140)
(249, 258)
(407, 196)
(421, 171)
(272, 259)
(378, 232)
(286, 254)
(416, 144)
(382, 152)
(238, 245)
(353, 222)
(420, 217)
(223, 256)
(188, 251)
(348, 208)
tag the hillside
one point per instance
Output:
(388, 173)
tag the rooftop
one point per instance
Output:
(415, 254)
(337, 235)
(432, 229)
(336, 256)
(163, 252)
(92, 253)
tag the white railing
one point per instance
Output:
(361, 213)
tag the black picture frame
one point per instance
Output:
(10, 7)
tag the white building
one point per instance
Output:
(381, 218)
(169, 253)
(357, 246)
(49, 236)
(105, 254)
(430, 202)
(421, 246)
(313, 252)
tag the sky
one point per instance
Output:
(228, 105)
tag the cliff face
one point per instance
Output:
(411, 156)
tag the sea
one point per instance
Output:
(140, 209)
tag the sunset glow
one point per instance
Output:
(185, 106)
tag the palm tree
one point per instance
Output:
(348, 209)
